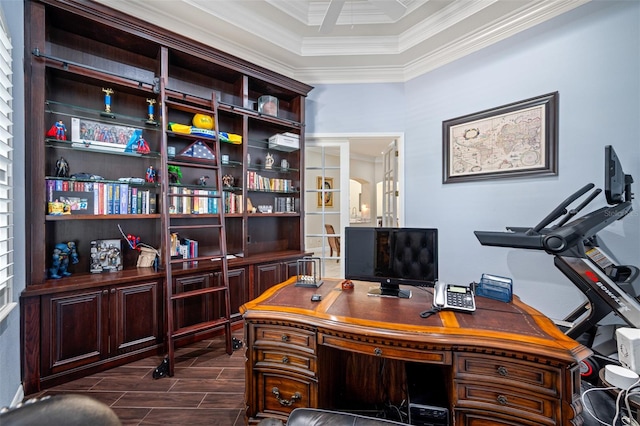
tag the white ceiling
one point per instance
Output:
(372, 40)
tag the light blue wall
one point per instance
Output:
(591, 56)
(10, 328)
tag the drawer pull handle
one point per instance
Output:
(502, 400)
(286, 402)
(377, 352)
(503, 371)
(285, 360)
(285, 338)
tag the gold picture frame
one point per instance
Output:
(325, 194)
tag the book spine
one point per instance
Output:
(124, 198)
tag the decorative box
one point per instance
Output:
(100, 136)
(284, 142)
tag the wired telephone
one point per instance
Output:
(456, 297)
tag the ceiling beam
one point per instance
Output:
(331, 17)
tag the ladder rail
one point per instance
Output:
(174, 296)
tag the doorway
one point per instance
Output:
(336, 166)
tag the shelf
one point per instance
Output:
(65, 217)
(76, 111)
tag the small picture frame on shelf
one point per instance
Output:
(106, 256)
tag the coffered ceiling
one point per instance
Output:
(347, 41)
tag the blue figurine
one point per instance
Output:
(61, 255)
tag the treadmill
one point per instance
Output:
(573, 242)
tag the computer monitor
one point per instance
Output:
(391, 257)
(617, 185)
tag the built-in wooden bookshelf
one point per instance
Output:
(91, 67)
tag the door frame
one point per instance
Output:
(334, 139)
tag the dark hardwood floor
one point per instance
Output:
(206, 389)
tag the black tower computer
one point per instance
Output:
(427, 392)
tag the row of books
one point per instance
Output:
(233, 203)
(284, 205)
(192, 201)
(185, 248)
(101, 198)
(255, 182)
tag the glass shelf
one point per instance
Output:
(76, 111)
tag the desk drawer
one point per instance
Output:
(280, 394)
(294, 338)
(509, 373)
(484, 396)
(386, 351)
(285, 360)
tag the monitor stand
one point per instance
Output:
(389, 292)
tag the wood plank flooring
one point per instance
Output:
(206, 389)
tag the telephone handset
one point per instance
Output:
(450, 296)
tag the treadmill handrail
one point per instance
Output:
(562, 208)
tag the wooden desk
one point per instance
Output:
(505, 364)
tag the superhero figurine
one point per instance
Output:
(133, 241)
(151, 175)
(62, 168)
(61, 254)
(137, 143)
(58, 131)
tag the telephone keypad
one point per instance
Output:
(459, 300)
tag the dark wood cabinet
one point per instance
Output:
(86, 327)
(115, 82)
(269, 274)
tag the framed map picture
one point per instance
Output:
(514, 140)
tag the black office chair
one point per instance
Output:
(410, 256)
(68, 410)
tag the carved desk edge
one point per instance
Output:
(552, 347)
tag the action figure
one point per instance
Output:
(151, 175)
(62, 168)
(58, 131)
(137, 143)
(202, 180)
(61, 254)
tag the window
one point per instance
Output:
(6, 175)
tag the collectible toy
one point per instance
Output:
(58, 131)
(61, 255)
(62, 168)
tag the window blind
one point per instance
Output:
(6, 174)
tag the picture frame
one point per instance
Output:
(99, 136)
(325, 198)
(514, 140)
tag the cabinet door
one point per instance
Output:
(75, 329)
(267, 275)
(290, 269)
(135, 314)
(192, 310)
(238, 291)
